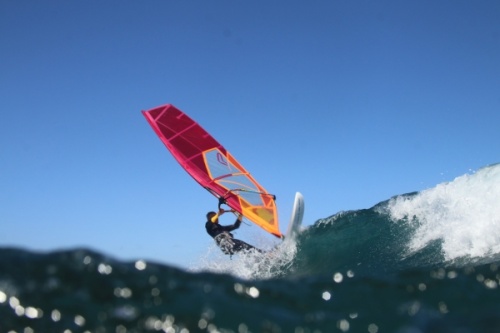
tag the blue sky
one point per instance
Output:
(348, 102)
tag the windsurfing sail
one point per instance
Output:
(213, 167)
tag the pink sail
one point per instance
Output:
(208, 162)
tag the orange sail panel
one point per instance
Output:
(214, 168)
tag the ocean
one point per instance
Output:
(427, 261)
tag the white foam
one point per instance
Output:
(248, 266)
(464, 214)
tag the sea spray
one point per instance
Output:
(463, 215)
(438, 226)
(248, 265)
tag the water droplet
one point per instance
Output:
(140, 265)
(338, 277)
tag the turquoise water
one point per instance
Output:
(419, 262)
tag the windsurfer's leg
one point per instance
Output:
(227, 249)
(226, 244)
(242, 246)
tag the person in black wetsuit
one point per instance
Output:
(222, 234)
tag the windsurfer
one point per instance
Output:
(222, 234)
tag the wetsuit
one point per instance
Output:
(224, 239)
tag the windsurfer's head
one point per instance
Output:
(210, 215)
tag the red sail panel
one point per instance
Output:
(208, 162)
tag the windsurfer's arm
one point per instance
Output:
(234, 226)
(238, 221)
